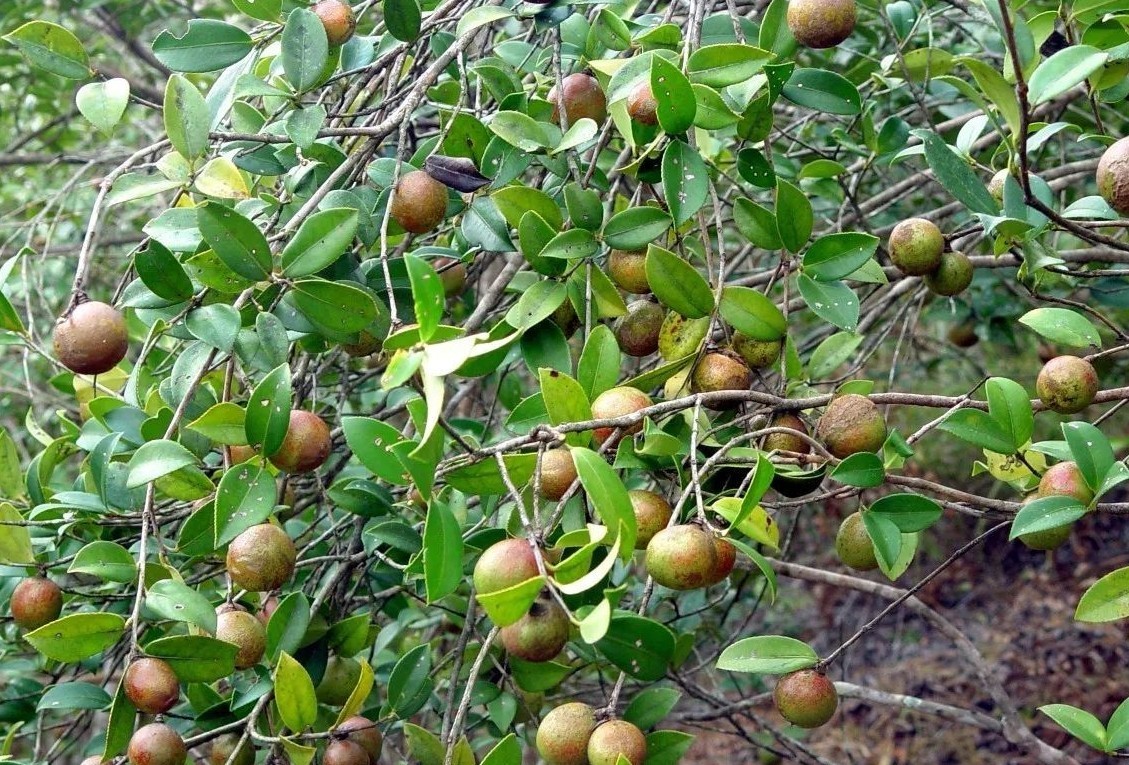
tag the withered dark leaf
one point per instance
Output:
(459, 173)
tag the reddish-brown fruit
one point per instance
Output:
(1113, 176)
(363, 731)
(306, 446)
(1065, 479)
(345, 753)
(367, 344)
(582, 98)
(618, 402)
(806, 698)
(452, 273)
(503, 565)
(851, 424)
(821, 23)
(613, 739)
(338, 19)
(152, 686)
(682, 557)
(92, 340)
(261, 558)
(540, 634)
(963, 335)
(340, 678)
(787, 442)
(558, 471)
(420, 202)
(721, 371)
(1067, 384)
(652, 514)
(562, 737)
(36, 601)
(240, 454)
(637, 331)
(642, 106)
(628, 270)
(220, 751)
(726, 559)
(266, 609)
(245, 631)
(156, 744)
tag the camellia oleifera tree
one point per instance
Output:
(447, 382)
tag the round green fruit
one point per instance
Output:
(853, 544)
(679, 337)
(36, 601)
(916, 246)
(996, 185)
(787, 442)
(151, 685)
(503, 565)
(156, 744)
(420, 202)
(952, 277)
(1113, 176)
(245, 631)
(758, 354)
(1067, 384)
(652, 514)
(306, 445)
(614, 739)
(637, 331)
(628, 270)
(582, 98)
(806, 698)
(963, 335)
(222, 748)
(618, 402)
(851, 424)
(1065, 479)
(1047, 539)
(558, 471)
(562, 737)
(92, 339)
(261, 558)
(341, 676)
(821, 23)
(682, 557)
(541, 634)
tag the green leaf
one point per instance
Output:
(831, 353)
(823, 91)
(287, 625)
(837, 256)
(641, 647)
(427, 295)
(1062, 71)
(195, 658)
(246, 496)
(319, 241)
(978, 428)
(103, 103)
(1078, 723)
(598, 368)
(537, 304)
(1044, 513)
(1106, 600)
(767, 655)
(15, 541)
(505, 752)
(608, 496)
(162, 273)
(833, 302)
(1063, 326)
(268, 411)
(650, 706)
(1118, 727)
(635, 227)
(294, 694)
(886, 536)
(78, 636)
(237, 241)
(208, 45)
(186, 117)
(685, 181)
(520, 130)
(337, 308)
(711, 111)
(504, 607)
(51, 47)
(677, 284)
(409, 680)
(119, 726)
(477, 17)
(223, 423)
(156, 459)
(263, 10)
(574, 244)
(726, 64)
(565, 401)
(78, 695)
(485, 477)
(752, 314)
(369, 440)
(217, 325)
(793, 216)
(674, 97)
(864, 470)
(1009, 406)
(403, 19)
(171, 599)
(667, 747)
(108, 561)
(442, 552)
(909, 512)
(305, 49)
(955, 175)
(1091, 451)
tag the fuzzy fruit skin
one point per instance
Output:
(726, 559)
(996, 185)
(363, 731)
(420, 202)
(628, 270)
(345, 753)
(617, 402)
(720, 371)
(783, 442)
(36, 601)
(1065, 479)
(806, 698)
(339, 680)
(821, 23)
(758, 354)
(540, 634)
(558, 471)
(613, 738)
(952, 277)
(152, 686)
(261, 558)
(222, 747)
(504, 564)
(338, 19)
(679, 336)
(245, 631)
(562, 737)
(642, 106)
(637, 331)
(682, 557)
(1113, 176)
(92, 340)
(652, 514)
(851, 424)
(582, 98)
(156, 744)
(963, 335)
(452, 273)
(916, 246)
(853, 545)
(1047, 539)
(306, 446)
(1067, 384)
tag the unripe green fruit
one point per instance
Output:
(562, 737)
(1047, 539)
(340, 678)
(261, 558)
(338, 19)
(720, 371)
(246, 632)
(1065, 479)
(996, 185)
(916, 246)
(618, 402)
(220, 751)
(156, 744)
(151, 685)
(363, 731)
(420, 202)
(642, 106)
(1067, 384)
(952, 277)
(682, 557)
(582, 98)
(806, 698)
(503, 565)
(558, 471)
(628, 270)
(637, 331)
(758, 354)
(92, 339)
(36, 601)
(1113, 176)
(345, 753)
(821, 23)
(851, 424)
(306, 445)
(853, 544)
(540, 634)
(963, 335)
(616, 738)
(652, 514)
(784, 442)
(679, 337)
